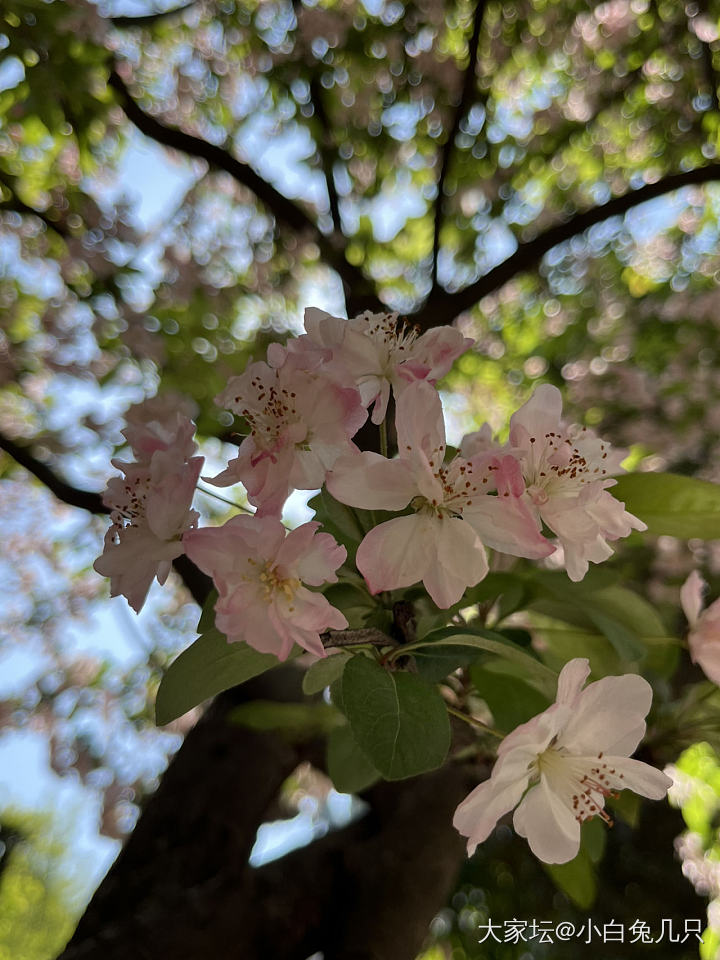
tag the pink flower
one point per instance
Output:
(150, 511)
(377, 353)
(161, 423)
(441, 541)
(567, 472)
(300, 423)
(704, 635)
(259, 573)
(561, 766)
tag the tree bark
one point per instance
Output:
(182, 886)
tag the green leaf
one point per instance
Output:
(398, 720)
(347, 766)
(620, 614)
(536, 672)
(295, 722)
(671, 504)
(207, 616)
(355, 602)
(438, 661)
(347, 524)
(322, 673)
(206, 668)
(510, 699)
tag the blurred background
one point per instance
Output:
(176, 185)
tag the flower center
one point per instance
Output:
(583, 783)
(269, 412)
(558, 464)
(385, 331)
(272, 582)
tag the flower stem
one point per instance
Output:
(231, 503)
(474, 722)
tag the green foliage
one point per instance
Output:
(488, 641)
(672, 505)
(208, 666)
(398, 721)
(37, 905)
(347, 765)
(322, 673)
(578, 878)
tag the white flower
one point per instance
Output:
(562, 765)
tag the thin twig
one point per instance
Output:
(463, 108)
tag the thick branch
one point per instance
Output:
(446, 306)
(284, 210)
(466, 99)
(195, 580)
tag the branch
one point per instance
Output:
(462, 110)
(84, 499)
(196, 582)
(283, 210)
(444, 307)
(150, 18)
(324, 149)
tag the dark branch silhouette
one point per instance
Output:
(284, 210)
(325, 148)
(445, 307)
(463, 108)
(196, 582)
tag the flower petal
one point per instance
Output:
(459, 561)
(371, 482)
(691, 596)
(476, 816)
(548, 824)
(571, 679)
(419, 421)
(396, 553)
(507, 524)
(540, 414)
(625, 773)
(608, 716)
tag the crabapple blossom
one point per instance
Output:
(161, 422)
(567, 471)
(442, 541)
(260, 574)
(560, 767)
(377, 353)
(300, 423)
(150, 509)
(704, 634)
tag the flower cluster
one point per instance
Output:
(299, 410)
(150, 506)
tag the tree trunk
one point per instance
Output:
(182, 887)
